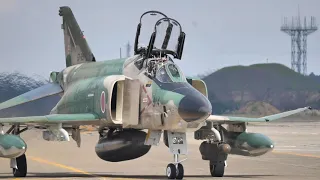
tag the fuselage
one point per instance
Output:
(165, 101)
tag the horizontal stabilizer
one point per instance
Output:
(226, 119)
(38, 93)
(73, 119)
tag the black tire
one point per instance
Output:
(171, 171)
(217, 170)
(22, 167)
(180, 172)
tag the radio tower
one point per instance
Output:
(299, 35)
(128, 49)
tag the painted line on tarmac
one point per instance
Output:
(292, 149)
(62, 166)
(43, 161)
(277, 162)
(286, 146)
(297, 154)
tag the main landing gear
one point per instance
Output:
(177, 143)
(215, 150)
(217, 155)
(217, 170)
(19, 164)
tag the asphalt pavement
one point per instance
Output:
(296, 156)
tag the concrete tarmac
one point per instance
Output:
(296, 156)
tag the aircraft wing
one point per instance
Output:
(73, 119)
(233, 119)
(38, 93)
(42, 92)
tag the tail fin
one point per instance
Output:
(77, 49)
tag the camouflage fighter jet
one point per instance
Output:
(128, 96)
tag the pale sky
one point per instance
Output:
(218, 33)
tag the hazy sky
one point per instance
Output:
(219, 33)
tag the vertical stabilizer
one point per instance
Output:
(77, 49)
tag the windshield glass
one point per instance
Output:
(170, 73)
(162, 75)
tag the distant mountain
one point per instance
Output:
(315, 77)
(14, 84)
(231, 88)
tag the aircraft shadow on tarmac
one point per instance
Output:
(104, 175)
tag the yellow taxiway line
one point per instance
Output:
(43, 161)
(297, 154)
(60, 165)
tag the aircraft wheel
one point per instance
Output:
(22, 167)
(217, 170)
(171, 171)
(180, 172)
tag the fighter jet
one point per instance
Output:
(132, 101)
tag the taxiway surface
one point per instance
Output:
(296, 156)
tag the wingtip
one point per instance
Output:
(309, 107)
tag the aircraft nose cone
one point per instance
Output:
(192, 108)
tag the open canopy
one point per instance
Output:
(164, 36)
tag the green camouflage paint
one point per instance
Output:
(164, 96)
(83, 97)
(255, 140)
(8, 141)
(97, 69)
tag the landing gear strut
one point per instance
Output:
(178, 145)
(19, 164)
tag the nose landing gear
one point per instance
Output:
(178, 145)
(175, 170)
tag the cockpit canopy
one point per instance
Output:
(167, 37)
(145, 29)
(169, 73)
